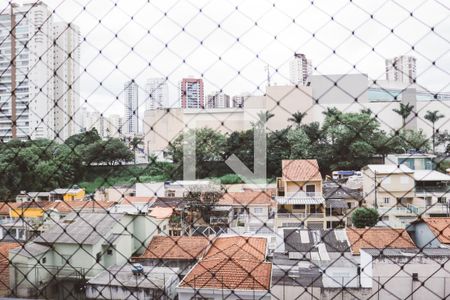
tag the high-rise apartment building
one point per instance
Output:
(300, 69)
(191, 93)
(131, 106)
(402, 69)
(156, 93)
(66, 81)
(218, 100)
(239, 100)
(33, 40)
(113, 126)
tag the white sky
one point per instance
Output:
(184, 55)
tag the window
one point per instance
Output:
(109, 252)
(258, 210)
(442, 200)
(386, 200)
(310, 188)
(44, 260)
(98, 257)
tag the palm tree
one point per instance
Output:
(433, 117)
(297, 118)
(263, 118)
(404, 111)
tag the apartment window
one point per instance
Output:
(386, 200)
(442, 200)
(98, 257)
(258, 210)
(44, 260)
(298, 206)
(109, 252)
(310, 188)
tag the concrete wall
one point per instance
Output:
(289, 292)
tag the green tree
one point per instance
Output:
(433, 117)
(365, 217)
(404, 111)
(209, 149)
(110, 152)
(84, 138)
(202, 201)
(297, 118)
(406, 139)
(299, 144)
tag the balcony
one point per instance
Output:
(219, 220)
(437, 191)
(408, 210)
(300, 216)
(300, 197)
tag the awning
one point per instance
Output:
(298, 200)
(335, 203)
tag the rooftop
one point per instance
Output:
(232, 263)
(122, 276)
(419, 253)
(30, 249)
(74, 229)
(161, 212)
(135, 200)
(75, 206)
(176, 247)
(307, 240)
(301, 170)
(246, 198)
(430, 175)
(378, 238)
(389, 169)
(440, 227)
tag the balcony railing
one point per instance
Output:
(303, 194)
(300, 216)
(432, 190)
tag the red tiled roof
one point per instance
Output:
(175, 247)
(229, 274)
(4, 266)
(6, 206)
(440, 227)
(378, 238)
(246, 198)
(234, 263)
(238, 247)
(301, 170)
(161, 212)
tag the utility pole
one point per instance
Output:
(376, 187)
(13, 74)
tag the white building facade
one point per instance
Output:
(66, 80)
(156, 93)
(218, 100)
(402, 69)
(300, 69)
(131, 106)
(34, 67)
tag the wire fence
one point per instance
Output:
(224, 149)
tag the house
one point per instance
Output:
(413, 160)
(32, 196)
(405, 273)
(432, 190)
(325, 251)
(299, 195)
(170, 188)
(340, 201)
(72, 249)
(378, 238)
(180, 252)
(5, 289)
(234, 267)
(431, 232)
(133, 204)
(67, 194)
(119, 282)
(251, 211)
(114, 193)
(390, 189)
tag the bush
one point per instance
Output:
(230, 179)
(365, 217)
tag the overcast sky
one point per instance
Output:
(166, 38)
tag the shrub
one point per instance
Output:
(365, 217)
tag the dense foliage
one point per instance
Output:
(365, 217)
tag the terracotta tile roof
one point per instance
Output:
(229, 274)
(6, 206)
(161, 212)
(238, 247)
(135, 199)
(301, 170)
(233, 263)
(246, 198)
(71, 206)
(440, 227)
(4, 266)
(175, 247)
(378, 238)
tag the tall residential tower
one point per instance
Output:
(131, 105)
(191, 93)
(300, 69)
(156, 93)
(402, 69)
